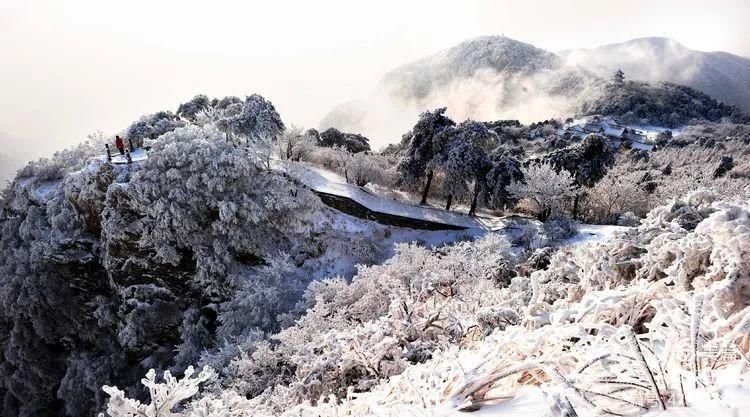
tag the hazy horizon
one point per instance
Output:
(72, 70)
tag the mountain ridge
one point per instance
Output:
(723, 75)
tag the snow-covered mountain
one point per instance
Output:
(216, 247)
(486, 78)
(495, 77)
(722, 75)
(419, 79)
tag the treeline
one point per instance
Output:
(484, 164)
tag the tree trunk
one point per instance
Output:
(544, 214)
(474, 200)
(426, 188)
(448, 203)
(575, 207)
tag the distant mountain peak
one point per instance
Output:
(497, 53)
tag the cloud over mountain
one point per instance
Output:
(724, 76)
(495, 77)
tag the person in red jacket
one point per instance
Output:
(120, 145)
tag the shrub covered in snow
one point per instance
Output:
(547, 189)
(152, 126)
(294, 145)
(654, 318)
(352, 335)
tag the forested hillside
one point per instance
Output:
(664, 104)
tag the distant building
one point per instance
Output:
(609, 127)
(577, 131)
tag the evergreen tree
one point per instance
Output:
(505, 170)
(618, 78)
(190, 109)
(423, 143)
(465, 160)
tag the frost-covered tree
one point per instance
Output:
(165, 397)
(294, 145)
(152, 126)
(262, 296)
(465, 161)
(423, 144)
(189, 110)
(505, 170)
(223, 103)
(549, 190)
(587, 161)
(202, 195)
(352, 142)
(335, 159)
(254, 120)
(457, 171)
(618, 78)
(362, 169)
(620, 191)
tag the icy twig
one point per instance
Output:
(644, 365)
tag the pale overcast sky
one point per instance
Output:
(72, 67)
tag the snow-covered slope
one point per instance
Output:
(328, 182)
(652, 322)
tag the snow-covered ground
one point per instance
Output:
(591, 233)
(137, 155)
(339, 261)
(328, 182)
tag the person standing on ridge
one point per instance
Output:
(120, 144)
